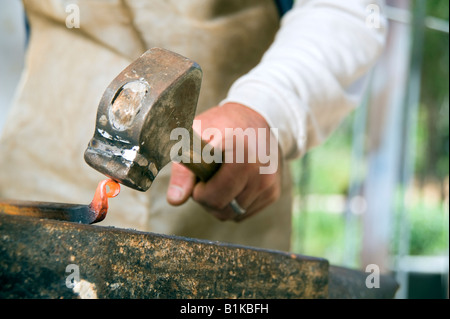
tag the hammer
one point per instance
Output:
(154, 95)
(132, 142)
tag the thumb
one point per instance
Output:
(181, 185)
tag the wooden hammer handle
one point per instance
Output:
(195, 161)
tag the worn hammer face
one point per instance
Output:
(137, 113)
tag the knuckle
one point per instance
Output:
(266, 182)
(221, 217)
(217, 205)
(274, 195)
(213, 203)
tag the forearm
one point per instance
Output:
(307, 81)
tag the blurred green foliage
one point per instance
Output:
(429, 224)
(432, 158)
(429, 230)
(329, 165)
(323, 237)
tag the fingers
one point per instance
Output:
(244, 179)
(181, 185)
(264, 199)
(252, 191)
(250, 195)
(220, 190)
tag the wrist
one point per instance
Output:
(245, 116)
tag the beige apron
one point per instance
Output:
(67, 71)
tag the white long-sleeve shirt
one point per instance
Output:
(313, 74)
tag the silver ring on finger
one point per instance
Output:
(238, 210)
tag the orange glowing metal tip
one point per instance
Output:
(107, 188)
(85, 214)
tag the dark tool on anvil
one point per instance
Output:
(150, 98)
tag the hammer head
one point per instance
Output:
(137, 113)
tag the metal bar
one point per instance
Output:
(409, 132)
(65, 212)
(405, 16)
(437, 24)
(352, 235)
(303, 185)
(388, 91)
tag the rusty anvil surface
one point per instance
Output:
(119, 263)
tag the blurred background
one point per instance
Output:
(377, 192)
